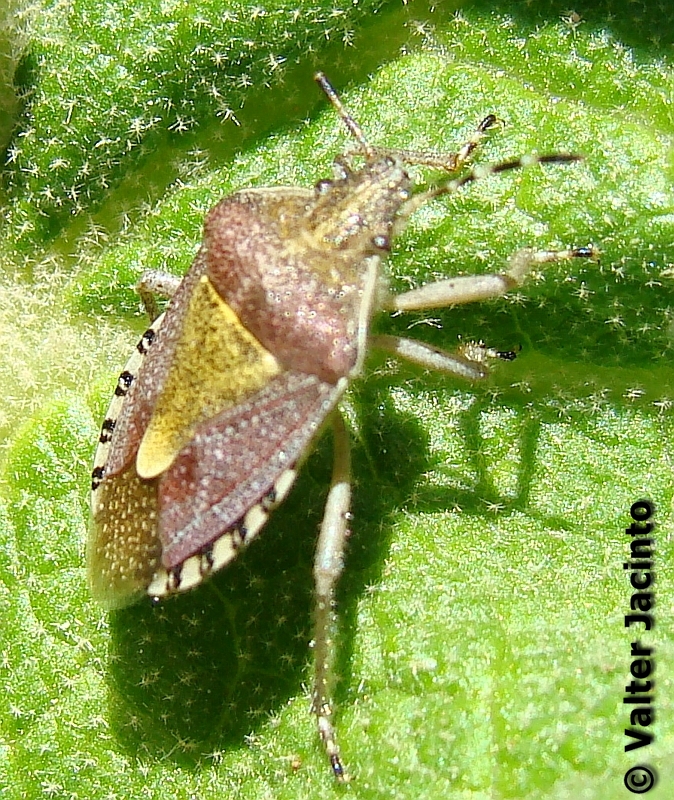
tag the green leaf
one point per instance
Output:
(482, 644)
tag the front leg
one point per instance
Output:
(449, 162)
(153, 283)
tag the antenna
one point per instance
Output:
(354, 128)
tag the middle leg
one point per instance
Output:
(472, 288)
(470, 361)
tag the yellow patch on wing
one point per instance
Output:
(217, 364)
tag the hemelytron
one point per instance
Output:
(226, 392)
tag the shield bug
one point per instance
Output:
(228, 389)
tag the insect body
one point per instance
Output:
(229, 388)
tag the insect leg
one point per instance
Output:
(472, 288)
(156, 282)
(450, 162)
(469, 362)
(328, 565)
(425, 355)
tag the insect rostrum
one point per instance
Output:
(229, 388)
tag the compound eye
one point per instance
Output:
(323, 186)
